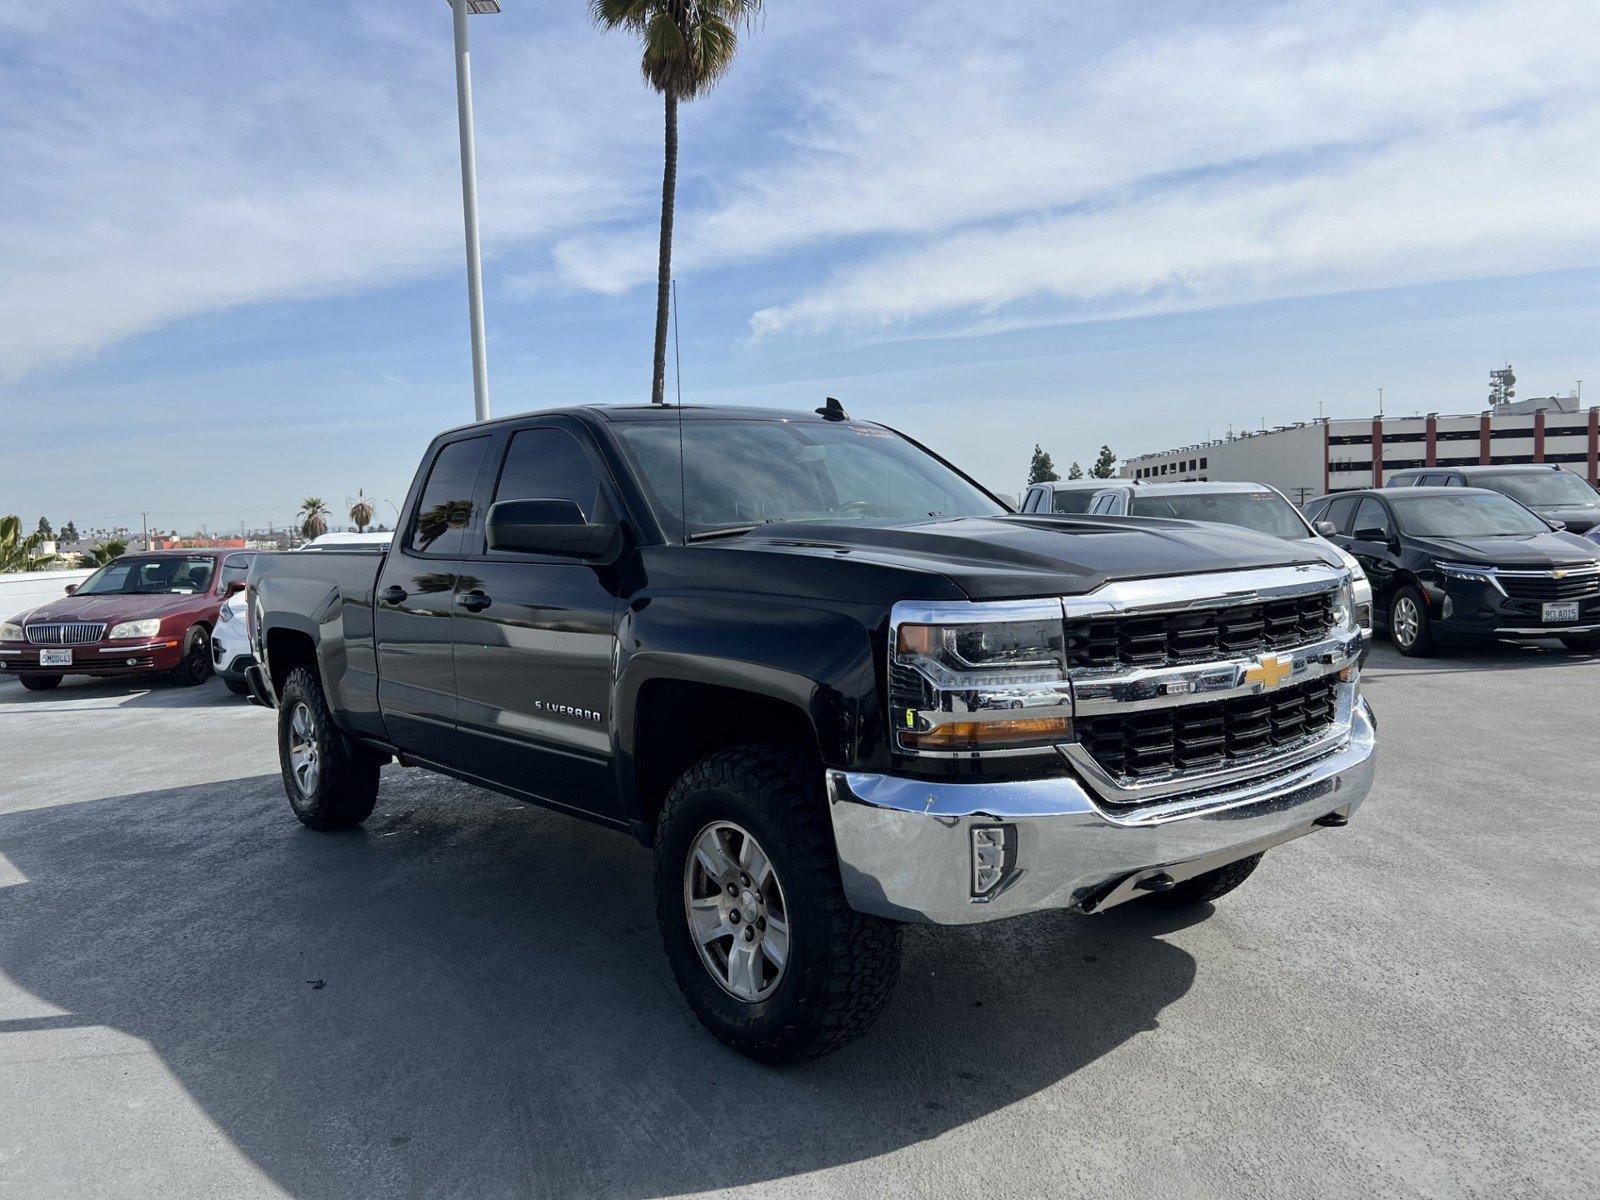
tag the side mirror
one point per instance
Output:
(1372, 534)
(235, 586)
(71, 587)
(1556, 525)
(1327, 529)
(548, 527)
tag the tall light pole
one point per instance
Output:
(460, 9)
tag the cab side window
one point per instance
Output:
(1339, 512)
(445, 509)
(1373, 519)
(549, 464)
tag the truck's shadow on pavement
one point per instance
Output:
(468, 998)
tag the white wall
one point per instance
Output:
(28, 589)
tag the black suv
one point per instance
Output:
(1459, 564)
(1553, 493)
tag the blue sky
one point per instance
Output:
(230, 248)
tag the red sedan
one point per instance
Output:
(137, 615)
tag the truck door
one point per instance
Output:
(415, 605)
(535, 636)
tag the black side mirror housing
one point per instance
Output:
(548, 527)
(1327, 529)
(1372, 534)
(235, 586)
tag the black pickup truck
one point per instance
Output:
(832, 681)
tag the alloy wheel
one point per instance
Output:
(737, 916)
(1407, 621)
(304, 762)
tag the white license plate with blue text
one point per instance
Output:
(1560, 612)
(63, 658)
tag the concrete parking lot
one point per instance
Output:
(199, 998)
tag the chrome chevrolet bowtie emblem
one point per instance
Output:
(1558, 574)
(1269, 671)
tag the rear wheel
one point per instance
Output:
(195, 665)
(1203, 889)
(764, 946)
(331, 781)
(1409, 627)
(40, 683)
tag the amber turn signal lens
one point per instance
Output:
(982, 735)
(918, 639)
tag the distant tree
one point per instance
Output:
(44, 528)
(361, 511)
(101, 555)
(314, 513)
(18, 553)
(1075, 472)
(688, 45)
(1105, 467)
(1042, 469)
(69, 532)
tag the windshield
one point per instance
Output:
(739, 473)
(141, 576)
(1543, 489)
(1480, 515)
(1265, 512)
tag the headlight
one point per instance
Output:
(1469, 573)
(10, 632)
(958, 686)
(225, 613)
(136, 629)
(1344, 607)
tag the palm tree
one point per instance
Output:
(18, 553)
(361, 511)
(101, 555)
(688, 46)
(314, 514)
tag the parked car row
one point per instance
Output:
(172, 613)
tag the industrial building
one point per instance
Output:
(1312, 458)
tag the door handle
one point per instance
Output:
(473, 601)
(393, 594)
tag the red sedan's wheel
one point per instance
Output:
(195, 666)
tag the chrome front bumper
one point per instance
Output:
(906, 846)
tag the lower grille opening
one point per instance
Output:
(1145, 746)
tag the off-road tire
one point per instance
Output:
(346, 787)
(841, 966)
(238, 687)
(1423, 644)
(194, 667)
(1203, 889)
(40, 683)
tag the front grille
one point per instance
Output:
(1548, 587)
(1198, 635)
(1151, 744)
(70, 633)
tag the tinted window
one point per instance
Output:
(1372, 515)
(1339, 512)
(446, 506)
(1074, 501)
(549, 464)
(1543, 489)
(235, 566)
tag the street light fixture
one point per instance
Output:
(460, 9)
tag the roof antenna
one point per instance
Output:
(832, 410)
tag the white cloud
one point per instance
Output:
(1197, 165)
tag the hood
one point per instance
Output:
(1017, 556)
(112, 609)
(1532, 551)
(1577, 520)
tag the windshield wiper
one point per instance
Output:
(707, 535)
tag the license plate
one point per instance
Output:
(1561, 612)
(63, 658)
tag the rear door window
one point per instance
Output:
(445, 510)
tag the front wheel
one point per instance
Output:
(40, 683)
(1410, 628)
(763, 945)
(332, 782)
(1203, 889)
(195, 665)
